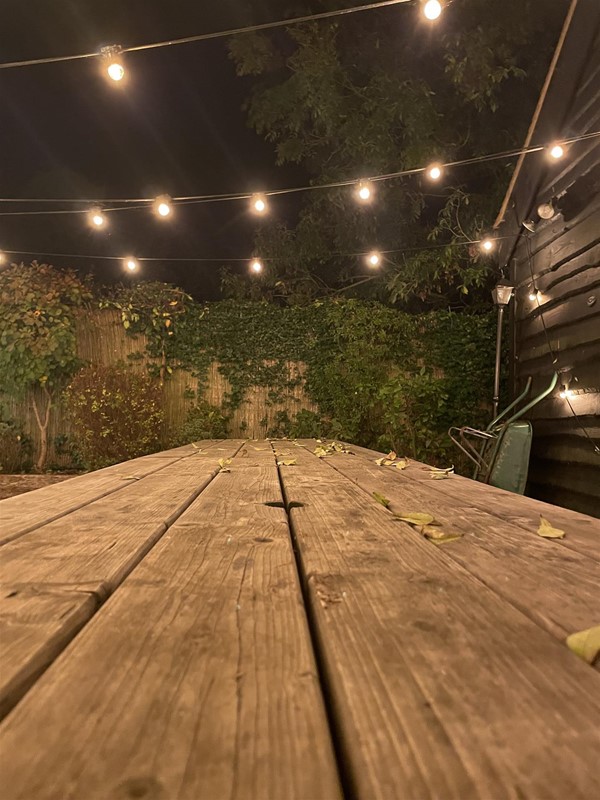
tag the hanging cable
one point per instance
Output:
(129, 203)
(203, 37)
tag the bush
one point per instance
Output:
(15, 448)
(116, 414)
(204, 421)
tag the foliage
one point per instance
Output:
(38, 345)
(115, 412)
(379, 377)
(37, 325)
(378, 93)
(15, 448)
(204, 421)
(153, 309)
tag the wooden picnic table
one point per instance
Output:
(237, 619)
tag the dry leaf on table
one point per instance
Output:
(585, 644)
(287, 462)
(381, 499)
(548, 532)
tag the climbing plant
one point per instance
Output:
(378, 377)
(38, 347)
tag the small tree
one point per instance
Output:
(38, 347)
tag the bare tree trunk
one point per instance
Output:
(42, 417)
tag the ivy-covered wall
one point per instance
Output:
(348, 369)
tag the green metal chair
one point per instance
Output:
(501, 452)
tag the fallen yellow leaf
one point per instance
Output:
(381, 499)
(416, 519)
(547, 531)
(585, 644)
(287, 462)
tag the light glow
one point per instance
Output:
(97, 218)
(256, 266)
(259, 204)
(163, 206)
(434, 172)
(487, 245)
(364, 192)
(116, 71)
(432, 9)
(131, 264)
(566, 393)
(374, 259)
(557, 151)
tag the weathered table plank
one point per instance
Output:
(536, 575)
(509, 507)
(441, 688)
(197, 679)
(85, 555)
(24, 513)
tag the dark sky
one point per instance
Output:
(177, 126)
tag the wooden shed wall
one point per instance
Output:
(561, 259)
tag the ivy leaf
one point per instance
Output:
(585, 644)
(381, 499)
(548, 532)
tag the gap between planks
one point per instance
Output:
(197, 678)
(54, 579)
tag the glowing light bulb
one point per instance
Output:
(97, 218)
(163, 206)
(131, 264)
(487, 245)
(557, 151)
(259, 204)
(432, 9)
(434, 172)
(374, 259)
(116, 71)
(533, 296)
(256, 266)
(566, 393)
(364, 192)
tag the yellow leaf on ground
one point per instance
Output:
(401, 464)
(224, 464)
(585, 644)
(381, 499)
(392, 455)
(548, 532)
(287, 462)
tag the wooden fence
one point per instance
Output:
(102, 339)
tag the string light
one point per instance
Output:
(256, 266)
(364, 191)
(131, 264)
(434, 172)
(97, 218)
(557, 151)
(163, 206)
(487, 245)
(258, 203)
(546, 210)
(534, 294)
(432, 9)
(112, 58)
(566, 393)
(374, 259)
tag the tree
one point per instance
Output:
(38, 347)
(380, 92)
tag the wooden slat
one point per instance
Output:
(536, 575)
(441, 688)
(524, 512)
(21, 514)
(197, 680)
(86, 554)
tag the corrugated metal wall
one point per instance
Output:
(561, 260)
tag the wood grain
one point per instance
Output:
(196, 680)
(21, 514)
(536, 575)
(77, 561)
(441, 688)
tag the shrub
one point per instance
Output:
(116, 414)
(15, 448)
(204, 421)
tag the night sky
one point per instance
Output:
(177, 126)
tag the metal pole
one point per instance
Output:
(498, 360)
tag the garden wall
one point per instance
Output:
(102, 339)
